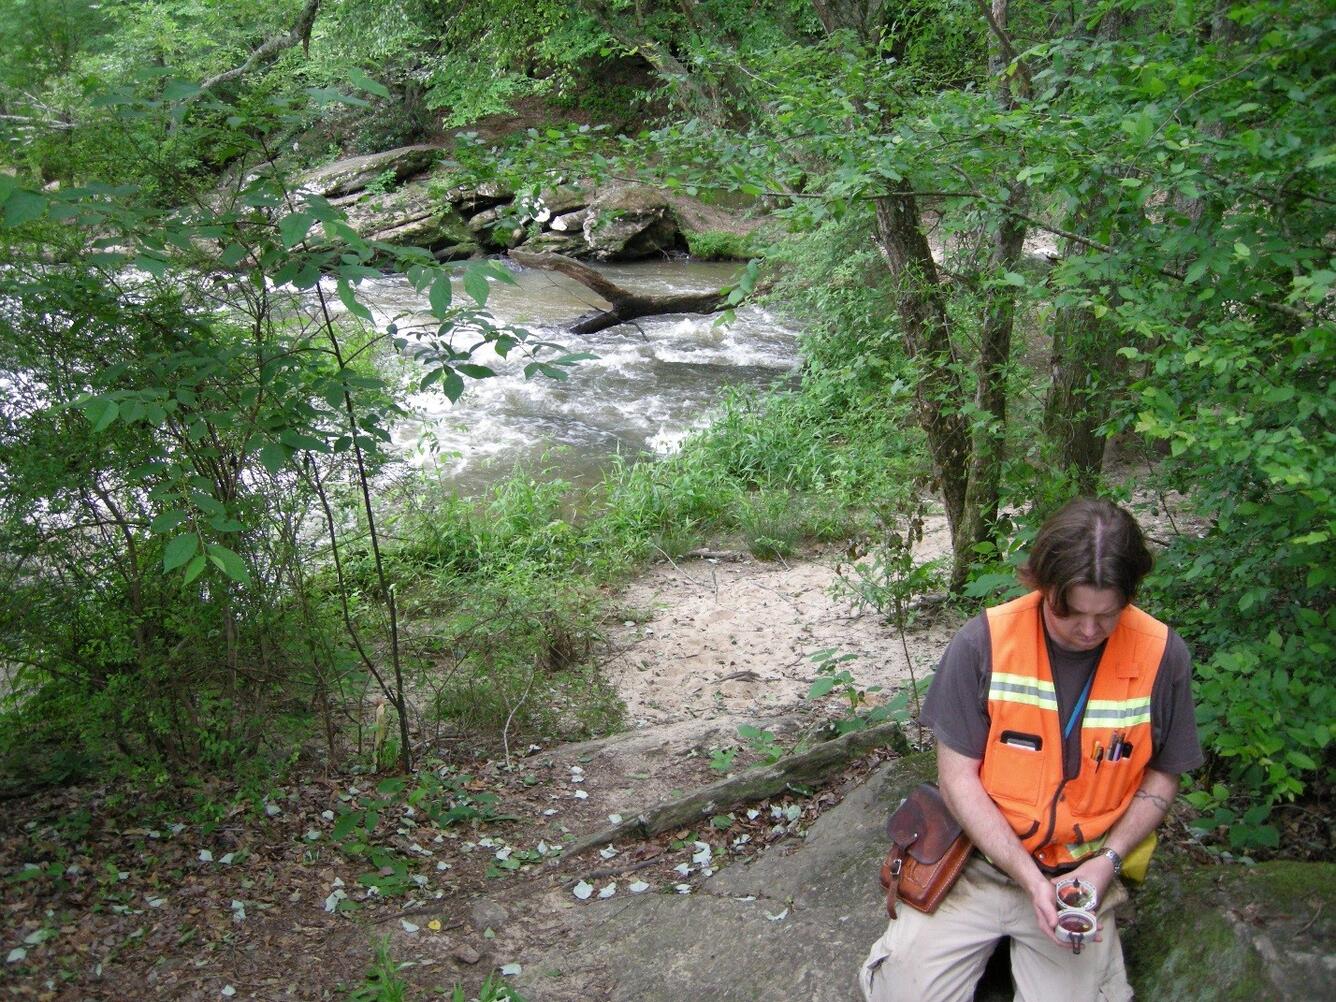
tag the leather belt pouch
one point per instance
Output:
(928, 851)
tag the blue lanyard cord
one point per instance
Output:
(1080, 705)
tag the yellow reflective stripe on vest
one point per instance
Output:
(1118, 714)
(1022, 689)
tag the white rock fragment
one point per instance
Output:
(16, 955)
(639, 887)
(607, 852)
(327, 815)
(273, 810)
(777, 918)
(549, 812)
(703, 854)
(313, 834)
(683, 868)
(682, 888)
(608, 891)
(511, 970)
(616, 819)
(227, 858)
(408, 926)
(583, 890)
(205, 856)
(581, 795)
(228, 991)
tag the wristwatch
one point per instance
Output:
(1114, 858)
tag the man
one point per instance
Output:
(1063, 720)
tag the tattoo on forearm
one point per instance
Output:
(1154, 798)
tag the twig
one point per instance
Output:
(505, 731)
(679, 569)
(613, 871)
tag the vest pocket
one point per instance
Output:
(1013, 773)
(1098, 791)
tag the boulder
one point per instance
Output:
(626, 223)
(345, 177)
(554, 242)
(472, 199)
(1235, 934)
(413, 217)
(557, 201)
(569, 222)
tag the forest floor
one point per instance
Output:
(275, 903)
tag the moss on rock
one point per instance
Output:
(1234, 934)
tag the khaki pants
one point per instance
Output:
(940, 957)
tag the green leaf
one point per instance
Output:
(363, 82)
(474, 371)
(178, 90)
(452, 385)
(345, 825)
(293, 228)
(229, 563)
(273, 456)
(23, 207)
(232, 255)
(475, 284)
(349, 299)
(102, 412)
(167, 521)
(1014, 278)
(178, 551)
(195, 568)
(439, 297)
(155, 266)
(820, 687)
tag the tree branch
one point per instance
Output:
(268, 51)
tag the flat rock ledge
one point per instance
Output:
(793, 925)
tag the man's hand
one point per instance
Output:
(958, 777)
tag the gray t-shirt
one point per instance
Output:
(956, 707)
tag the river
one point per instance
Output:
(648, 386)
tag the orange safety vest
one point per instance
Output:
(1060, 820)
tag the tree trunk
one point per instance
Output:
(626, 305)
(1084, 356)
(926, 333)
(989, 433)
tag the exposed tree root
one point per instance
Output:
(808, 768)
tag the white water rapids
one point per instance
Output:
(650, 385)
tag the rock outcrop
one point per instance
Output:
(413, 217)
(387, 198)
(346, 177)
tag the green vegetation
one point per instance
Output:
(198, 573)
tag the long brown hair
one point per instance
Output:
(1087, 542)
